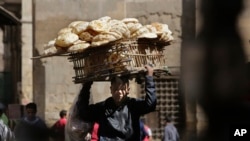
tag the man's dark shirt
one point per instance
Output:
(117, 123)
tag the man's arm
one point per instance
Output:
(150, 92)
(150, 88)
(149, 103)
(83, 101)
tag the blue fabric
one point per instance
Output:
(170, 133)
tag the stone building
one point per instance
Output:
(10, 49)
(48, 81)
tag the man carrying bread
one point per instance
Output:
(118, 116)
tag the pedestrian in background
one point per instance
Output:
(147, 130)
(3, 116)
(170, 131)
(143, 132)
(31, 127)
(5, 132)
(57, 131)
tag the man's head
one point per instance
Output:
(31, 110)
(168, 118)
(63, 113)
(119, 88)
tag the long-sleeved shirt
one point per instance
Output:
(170, 133)
(118, 123)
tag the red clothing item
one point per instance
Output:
(58, 128)
(94, 134)
(148, 130)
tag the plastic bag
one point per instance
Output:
(77, 129)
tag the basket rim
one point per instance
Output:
(158, 72)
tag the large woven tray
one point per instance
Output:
(124, 57)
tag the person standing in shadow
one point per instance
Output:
(5, 132)
(31, 127)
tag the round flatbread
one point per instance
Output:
(80, 27)
(139, 32)
(65, 30)
(99, 26)
(105, 19)
(53, 50)
(74, 23)
(115, 34)
(133, 27)
(130, 20)
(161, 28)
(115, 62)
(79, 47)
(120, 28)
(166, 37)
(50, 48)
(79, 42)
(49, 51)
(104, 36)
(151, 28)
(86, 36)
(66, 39)
(148, 35)
(99, 43)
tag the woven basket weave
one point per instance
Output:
(117, 58)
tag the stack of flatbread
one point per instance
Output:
(80, 35)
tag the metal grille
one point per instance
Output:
(168, 103)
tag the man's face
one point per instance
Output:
(119, 92)
(31, 114)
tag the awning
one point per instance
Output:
(8, 18)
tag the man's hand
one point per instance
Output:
(88, 83)
(150, 70)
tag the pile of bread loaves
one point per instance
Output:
(80, 35)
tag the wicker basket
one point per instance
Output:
(118, 58)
